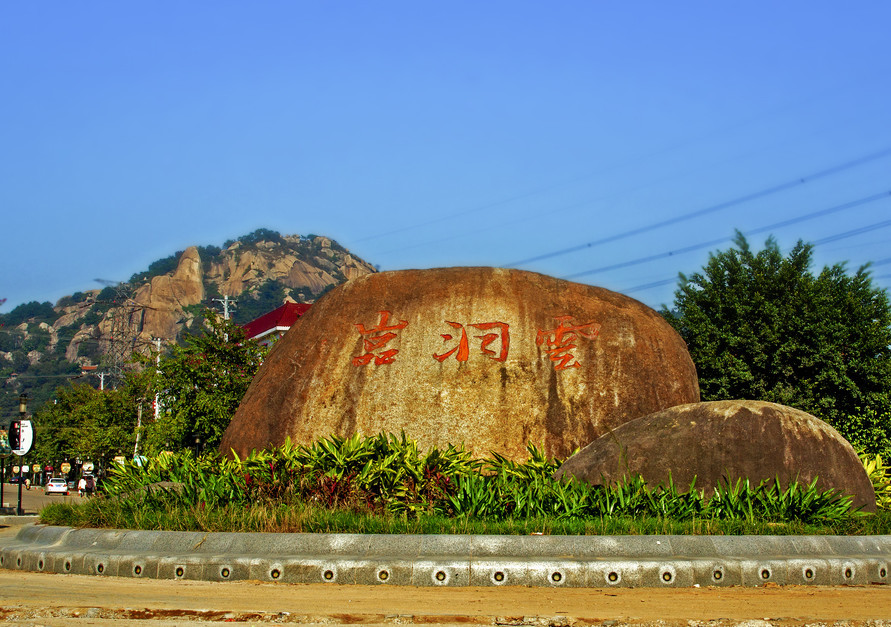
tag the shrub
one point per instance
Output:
(388, 474)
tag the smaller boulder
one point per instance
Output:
(733, 439)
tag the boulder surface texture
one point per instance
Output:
(733, 439)
(485, 357)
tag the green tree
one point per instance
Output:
(201, 385)
(762, 326)
(85, 423)
(33, 311)
(268, 296)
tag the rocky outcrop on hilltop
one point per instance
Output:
(310, 265)
(260, 271)
(166, 297)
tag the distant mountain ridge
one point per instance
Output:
(257, 272)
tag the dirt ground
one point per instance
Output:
(49, 599)
(45, 599)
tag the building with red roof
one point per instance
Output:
(268, 328)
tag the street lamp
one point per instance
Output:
(23, 409)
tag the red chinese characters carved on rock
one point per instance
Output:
(560, 341)
(462, 350)
(374, 339)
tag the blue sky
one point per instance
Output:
(423, 134)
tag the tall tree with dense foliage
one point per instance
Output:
(85, 423)
(762, 326)
(201, 384)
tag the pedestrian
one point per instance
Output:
(91, 485)
(81, 486)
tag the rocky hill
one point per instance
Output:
(41, 343)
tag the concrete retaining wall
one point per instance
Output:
(446, 560)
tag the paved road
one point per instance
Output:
(34, 499)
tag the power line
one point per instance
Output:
(852, 233)
(42, 333)
(647, 286)
(686, 249)
(665, 150)
(39, 331)
(775, 189)
(50, 376)
(871, 227)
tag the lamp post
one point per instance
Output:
(5, 451)
(23, 409)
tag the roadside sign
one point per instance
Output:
(66, 468)
(21, 437)
(15, 470)
(87, 467)
(35, 468)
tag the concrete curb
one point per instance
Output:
(13, 520)
(444, 560)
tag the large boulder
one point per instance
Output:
(487, 357)
(733, 439)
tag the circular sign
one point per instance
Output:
(35, 468)
(25, 431)
(15, 470)
(66, 468)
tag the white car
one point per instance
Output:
(56, 485)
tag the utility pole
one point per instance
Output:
(138, 427)
(157, 406)
(225, 302)
(101, 376)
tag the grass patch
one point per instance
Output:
(296, 518)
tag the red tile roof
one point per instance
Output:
(277, 319)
